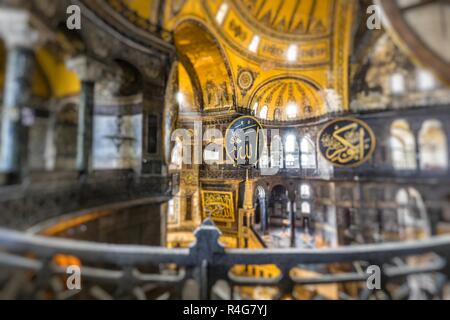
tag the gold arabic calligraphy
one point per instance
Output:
(242, 138)
(347, 145)
(218, 205)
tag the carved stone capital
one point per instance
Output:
(87, 69)
(20, 29)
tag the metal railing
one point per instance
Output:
(29, 270)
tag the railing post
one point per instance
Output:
(203, 251)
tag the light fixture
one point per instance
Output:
(253, 47)
(292, 53)
(222, 12)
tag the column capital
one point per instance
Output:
(20, 29)
(87, 68)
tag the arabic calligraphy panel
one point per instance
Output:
(218, 205)
(244, 139)
(347, 142)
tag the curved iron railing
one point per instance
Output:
(407, 270)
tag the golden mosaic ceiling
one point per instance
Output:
(230, 49)
(263, 29)
(287, 99)
(288, 19)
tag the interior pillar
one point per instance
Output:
(21, 39)
(264, 217)
(88, 71)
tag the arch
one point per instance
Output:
(277, 114)
(412, 217)
(278, 202)
(308, 154)
(264, 160)
(171, 211)
(198, 45)
(277, 153)
(185, 138)
(292, 152)
(188, 95)
(403, 146)
(305, 207)
(260, 192)
(280, 217)
(189, 82)
(52, 78)
(264, 112)
(255, 108)
(433, 152)
(261, 217)
(176, 160)
(305, 191)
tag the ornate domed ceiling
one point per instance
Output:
(230, 49)
(287, 99)
(288, 19)
(266, 29)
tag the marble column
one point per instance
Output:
(88, 71)
(21, 39)
(264, 216)
(291, 212)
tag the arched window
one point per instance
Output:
(177, 155)
(264, 160)
(403, 146)
(306, 207)
(222, 13)
(255, 107)
(253, 47)
(412, 215)
(260, 192)
(425, 80)
(171, 214)
(397, 83)
(308, 154)
(291, 110)
(261, 208)
(305, 191)
(211, 156)
(433, 146)
(277, 115)
(276, 153)
(263, 112)
(291, 146)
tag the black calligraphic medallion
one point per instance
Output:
(244, 140)
(346, 142)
